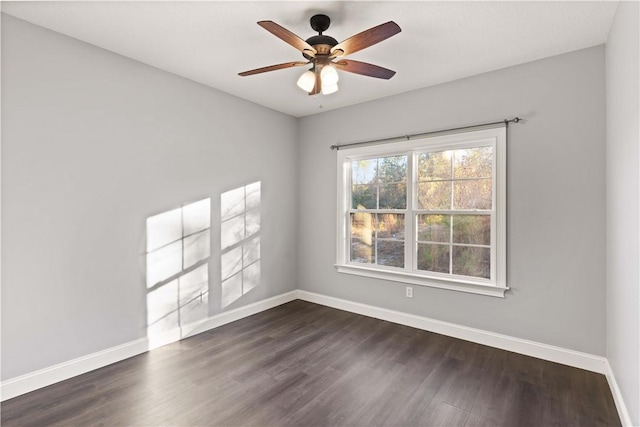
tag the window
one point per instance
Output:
(428, 211)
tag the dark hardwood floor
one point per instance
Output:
(305, 364)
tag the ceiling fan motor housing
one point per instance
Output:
(321, 43)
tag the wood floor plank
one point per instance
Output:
(302, 364)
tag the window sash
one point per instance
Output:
(412, 212)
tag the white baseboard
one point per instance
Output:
(625, 418)
(561, 355)
(34, 380)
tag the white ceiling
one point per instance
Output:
(211, 41)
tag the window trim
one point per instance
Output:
(496, 137)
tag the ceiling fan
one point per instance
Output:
(324, 53)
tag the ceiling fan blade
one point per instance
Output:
(287, 36)
(364, 68)
(366, 38)
(273, 68)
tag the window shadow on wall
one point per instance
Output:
(239, 242)
(178, 251)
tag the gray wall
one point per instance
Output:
(556, 198)
(93, 144)
(623, 213)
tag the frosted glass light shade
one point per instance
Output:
(329, 75)
(329, 89)
(307, 81)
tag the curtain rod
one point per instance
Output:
(419, 135)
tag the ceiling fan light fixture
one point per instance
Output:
(307, 81)
(321, 50)
(329, 75)
(329, 89)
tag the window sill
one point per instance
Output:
(417, 279)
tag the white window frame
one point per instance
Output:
(495, 286)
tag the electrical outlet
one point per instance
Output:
(409, 292)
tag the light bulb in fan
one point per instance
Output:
(307, 81)
(329, 89)
(329, 75)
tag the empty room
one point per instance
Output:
(335, 213)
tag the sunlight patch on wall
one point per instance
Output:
(178, 251)
(239, 242)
